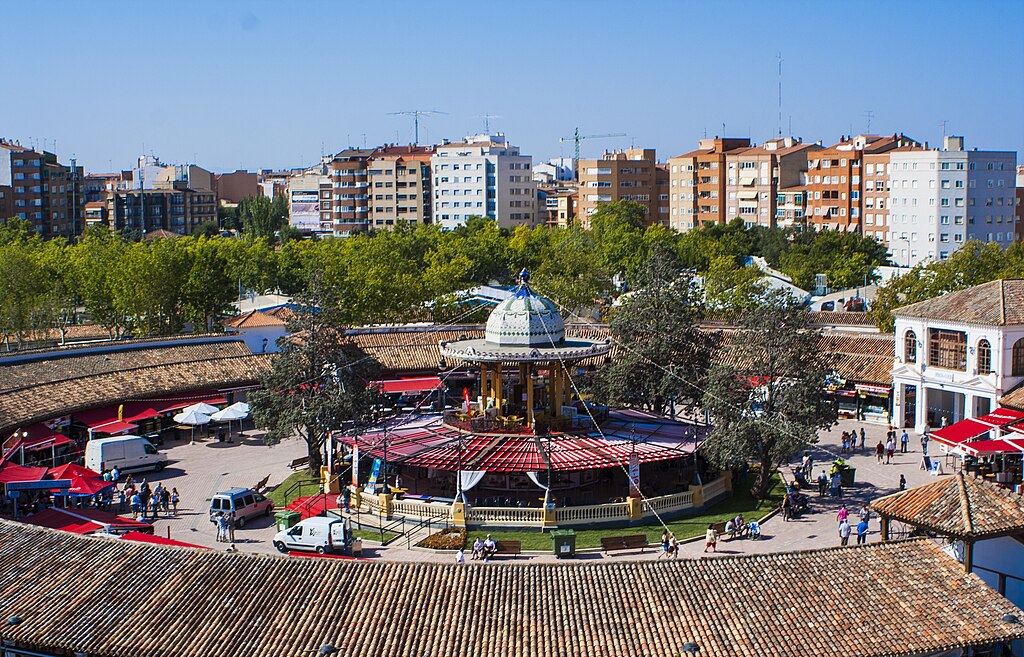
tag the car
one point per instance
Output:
(241, 504)
(317, 534)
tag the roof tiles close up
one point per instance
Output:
(996, 303)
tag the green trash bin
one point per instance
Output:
(846, 475)
(564, 543)
(286, 519)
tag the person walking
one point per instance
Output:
(174, 500)
(843, 514)
(664, 544)
(863, 437)
(460, 557)
(136, 505)
(673, 546)
(710, 538)
(822, 484)
(904, 442)
(837, 485)
(222, 526)
(890, 449)
(862, 532)
(844, 533)
(346, 498)
(231, 528)
(115, 474)
(787, 508)
(807, 465)
(879, 451)
(924, 443)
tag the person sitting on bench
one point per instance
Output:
(478, 549)
(741, 526)
(490, 548)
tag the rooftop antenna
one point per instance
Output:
(364, 140)
(943, 123)
(780, 93)
(869, 115)
(416, 114)
(487, 121)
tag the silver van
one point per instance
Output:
(241, 504)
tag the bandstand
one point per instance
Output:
(524, 449)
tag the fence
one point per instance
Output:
(667, 503)
(714, 489)
(511, 516)
(572, 515)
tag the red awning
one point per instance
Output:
(139, 537)
(114, 428)
(1001, 417)
(12, 472)
(421, 384)
(84, 521)
(979, 447)
(962, 431)
(46, 442)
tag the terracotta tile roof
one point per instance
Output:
(1014, 398)
(958, 506)
(839, 318)
(255, 319)
(897, 598)
(863, 358)
(30, 404)
(996, 303)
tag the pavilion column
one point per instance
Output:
(921, 419)
(529, 395)
(566, 388)
(484, 383)
(556, 390)
(497, 387)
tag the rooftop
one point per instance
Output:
(255, 319)
(906, 598)
(957, 506)
(996, 303)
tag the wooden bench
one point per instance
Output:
(298, 463)
(630, 542)
(261, 484)
(719, 527)
(514, 548)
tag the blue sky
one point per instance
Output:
(270, 84)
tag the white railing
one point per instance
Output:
(667, 503)
(714, 489)
(570, 515)
(371, 502)
(485, 515)
(409, 508)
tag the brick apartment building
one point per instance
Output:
(177, 209)
(698, 181)
(399, 178)
(232, 187)
(835, 180)
(1019, 226)
(755, 175)
(624, 175)
(36, 187)
(557, 205)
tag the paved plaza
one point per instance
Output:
(200, 470)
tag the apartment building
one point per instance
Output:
(940, 198)
(38, 188)
(399, 185)
(756, 174)
(483, 176)
(559, 205)
(177, 209)
(350, 191)
(697, 183)
(1019, 225)
(309, 198)
(632, 174)
(791, 207)
(835, 180)
(232, 187)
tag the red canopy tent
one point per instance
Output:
(88, 486)
(139, 537)
(12, 472)
(960, 432)
(69, 470)
(85, 521)
(419, 384)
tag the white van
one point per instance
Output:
(318, 533)
(128, 453)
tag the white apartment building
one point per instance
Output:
(939, 199)
(483, 176)
(309, 201)
(958, 354)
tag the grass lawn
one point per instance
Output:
(277, 495)
(740, 502)
(371, 535)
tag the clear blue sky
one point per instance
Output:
(268, 84)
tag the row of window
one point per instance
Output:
(948, 350)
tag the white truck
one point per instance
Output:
(128, 453)
(317, 534)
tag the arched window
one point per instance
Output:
(1018, 358)
(909, 347)
(984, 357)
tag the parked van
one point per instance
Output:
(242, 503)
(319, 534)
(128, 453)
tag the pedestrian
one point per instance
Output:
(924, 443)
(155, 506)
(865, 513)
(837, 485)
(822, 484)
(710, 539)
(115, 474)
(903, 483)
(460, 557)
(863, 437)
(222, 526)
(136, 505)
(165, 500)
(787, 508)
(231, 527)
(904, 442)
(845, 443)
(807, 465)
(879, 451)
(664, 544)
(843, 514)
(120, 501)
(890, 449)
(673, 546)
(346, 498)
(106, 475)
(174, 500)
(862, 532)
(844, 533)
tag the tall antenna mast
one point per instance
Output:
(870, 115)
(943, 124)
(780, 94)
(416, 114)
(487, 121)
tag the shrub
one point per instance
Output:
(451, 538)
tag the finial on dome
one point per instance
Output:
(524, 277)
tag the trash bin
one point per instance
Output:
(286, 519)
(846, 475)
(357, 547)
(564, 543)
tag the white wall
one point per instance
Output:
(254, 336)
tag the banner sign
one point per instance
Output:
(634, 475)
(371, 483)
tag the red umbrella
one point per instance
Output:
(71, 470)
(88, 485)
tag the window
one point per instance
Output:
(948, 349)
(1017, 366)
(984, 357)
(909, 347)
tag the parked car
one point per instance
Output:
(128, 453)
(242, 504)
(319, 534)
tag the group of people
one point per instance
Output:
(734, 528)
(669, 545)
(845, 528)
(146, 502)
(848, 444)
(225, 523)
(483, 550)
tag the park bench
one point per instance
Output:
(261, 484)
(719, 527)
(508, 547)
(300, 462)
(629, 542)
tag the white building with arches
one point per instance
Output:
(957, 355)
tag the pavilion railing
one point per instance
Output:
(714, 489)
(512, 516)
(421, 510)
(664, 503)
(595, 512)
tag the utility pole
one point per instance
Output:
(416, 114)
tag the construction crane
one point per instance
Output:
(577, 137)
(416, 114)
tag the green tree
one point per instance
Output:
(765, 393)
(206, 229)
(663, 355)
(263, 217)
(207, 291)
(617, 233)
(570, 273)
(96, 266)
(732, 287)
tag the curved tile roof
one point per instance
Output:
(996, 303)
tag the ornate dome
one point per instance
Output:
(525, 319)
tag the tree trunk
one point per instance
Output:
(315, 458)
(764, 479)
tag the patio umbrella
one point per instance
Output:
(88, 486)
(192, 418)
(201, 407)
(240, 406)
(230, 413)
(72, 470)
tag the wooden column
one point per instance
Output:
(556, 389)
(484, 382)
(968, 556)
(884, 527)
(529, 395)
(497, 387)
(566, 387)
